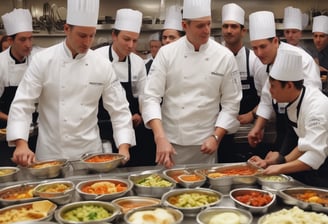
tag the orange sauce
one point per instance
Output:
(255, 198)
(100, 158)
(191, 177)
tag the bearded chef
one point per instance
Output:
(68, 80)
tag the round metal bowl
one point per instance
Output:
(153, 214)
(154, 189)
(47, 168)
(60, 192)
(274, 182)
(103, 197)
(87, 208)
(191, 200)
(20, 193)
(103, 165)
(247, 192)
(8, 173)
(45, 210)
(223, 215)
(189, 181)
(133, 202)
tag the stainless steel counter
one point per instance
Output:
(79, 175)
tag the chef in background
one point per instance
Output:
(172, 29)
(68, 80)
(13, 63)
(154, 45)
(131, 72)
(192, 94)
(307, 113)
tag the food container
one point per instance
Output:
(133, 202)
(155, 214)
(20, 193)
(274, 182)
(60, 192)
(253, 200)
(90, 209)
(191, 200)
(96, 189)
(8, 173)
(175, 174)
(48, 168)
(151, 185)
(307, 198)
(223, 215)
(41, 210)
(102, 162)
(192, 180)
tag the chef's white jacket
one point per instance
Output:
(138, 69)
(312, 126)
(311, 78)
(193, 85)
(69, 91)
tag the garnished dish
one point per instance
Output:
(193, 199)
(154, 180)
(293, 215)
(86, 213)
(104, 187)
(18, 192)
(33, 211)
(233, 171)
(46, 164)
(100, 158)
(132, 202)
(254, 198)
(54, 188)
(158, 215)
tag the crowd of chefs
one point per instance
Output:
(182, 105)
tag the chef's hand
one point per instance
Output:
(123, 149)
(257, 161)
(136, 119)
(255, 136)
(246, 118)
(23, 155)
(164, 152)
(273, 169)
(209, 146)
(272, 158)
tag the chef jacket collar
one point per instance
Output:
(192, 48)
(16, 61)
(115, 56)
(69, 53)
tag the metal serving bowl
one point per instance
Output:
(274, 182)
(47, 168)
(45, 207)
(20, 193)
(60, 192)
(133, 202)
(152, 190)
(104, 166)
(84, 207)
(248, 191)
(103, 197)
(187, 181)
(8, 173)
(222, 215)
(157, 214)
(191, 200)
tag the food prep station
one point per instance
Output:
(72, 172)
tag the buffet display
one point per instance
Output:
(128, 195)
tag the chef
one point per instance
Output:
(68, 80)
(306, 112)
(194, 76)
(172, 29)
(131, 71)
(266, 45)
(13, 63)
(154, 45)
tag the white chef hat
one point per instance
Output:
(173, 18)
(17, 21)
(233, 12)
(292, 18)
(82, 12)
(320, 24)
(195, 9)
(287, 66)
(154, 36)
(261, 25)
(128, 20)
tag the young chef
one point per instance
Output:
(13, 64)
(306, 112)
(172, 29)
(131, 72)
(194, 76)
(266, 45)
(68, 80)
(233, 32)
